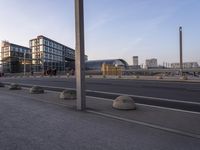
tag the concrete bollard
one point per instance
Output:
(124, 103)
(137, 77)
(14, 86)
(159, 77)
(36, 90)
(2, 85)
(68, 95)
(183, 78)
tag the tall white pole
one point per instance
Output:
(181, 50)
(79, 56)
(24, 63)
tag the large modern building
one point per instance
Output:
(97, 64)
(13, 58)
(49, 54)
(1, 68)
(151, 63)
(185, 65)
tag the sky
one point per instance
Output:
(113, 28)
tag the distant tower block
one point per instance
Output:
(135, 60)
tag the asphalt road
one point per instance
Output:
(181, 91)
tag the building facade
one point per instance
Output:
(151, 63)
(14, 58)
(185, 65)
(1, 68)
(97, 64)
(135, 61)
(49, 54)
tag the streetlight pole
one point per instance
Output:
(24, 63)
(42, 62)
(64, 64)
(181, 50)
(79, 56)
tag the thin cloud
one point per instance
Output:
(99, 22)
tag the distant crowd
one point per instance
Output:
(50, 72)
(1, 74)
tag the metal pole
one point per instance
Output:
(24, 63)
(64, 65)
(79, 57)
(181, 49)
(42, 61)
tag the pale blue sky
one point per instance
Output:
(113, 28)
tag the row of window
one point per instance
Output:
(46, 42)
(15, 49)
(17, 54)
(47, 50)
(50, 46)
(52, 57)
(47, 60)
(50, 50)
(19, 49)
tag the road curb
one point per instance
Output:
(154, 101)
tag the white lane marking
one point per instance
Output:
(37, 99)
(153, 106)
(172, 109)
(112, 93)
(146, 97)
(147, 124)
(104, 99)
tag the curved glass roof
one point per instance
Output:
(96, 64)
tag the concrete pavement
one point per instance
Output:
(43, 121)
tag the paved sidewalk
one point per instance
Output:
(43, 121)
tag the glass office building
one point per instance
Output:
(49, 54)
(14, 58)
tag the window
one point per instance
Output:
(41, 41)
(41, 48)
(33, 43)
